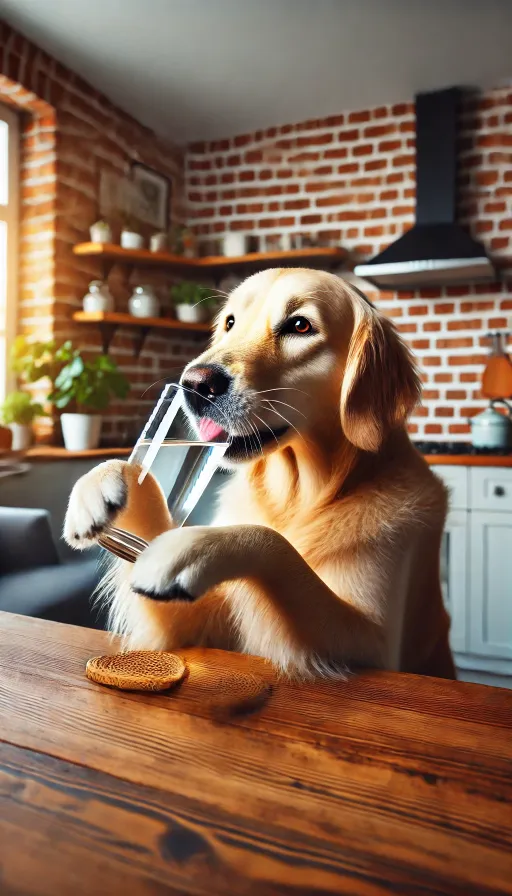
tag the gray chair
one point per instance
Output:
(34, 581)
(38, 578)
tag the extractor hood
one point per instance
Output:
(436, 251)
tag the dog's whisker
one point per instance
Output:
(251, 445)
(285, 403)
(163, 379)
(268, 427)
(207, 299)
(287, 421)
(282, 389)
(256, 433)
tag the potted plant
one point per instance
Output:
(18, 412)
(85, 387)
(34, 360)
(193, 303)
(130, 237)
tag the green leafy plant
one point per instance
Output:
(87, 386)
(34, 360)
(187, 293)
(83, 385)
(18, 407)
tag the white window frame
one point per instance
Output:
(10, 214)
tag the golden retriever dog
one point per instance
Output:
(324, 553)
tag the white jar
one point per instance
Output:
(99, 297)
(234, 244)
(131, 240)
(158, 242)
(143, 302)
(100, 232)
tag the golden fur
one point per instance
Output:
(325, 550)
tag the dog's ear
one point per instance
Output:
(381, 385)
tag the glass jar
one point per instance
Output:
(99, 297)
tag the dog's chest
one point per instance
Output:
(240, 506)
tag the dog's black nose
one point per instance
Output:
(208, 382)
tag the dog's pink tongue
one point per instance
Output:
(209, 430)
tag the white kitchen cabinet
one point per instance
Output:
(490, 586)
(476, 571)
(454, 558)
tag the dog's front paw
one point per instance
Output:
(95, 501)
(181, 564)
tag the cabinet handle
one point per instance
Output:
(499, 491)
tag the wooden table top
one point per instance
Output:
(382, 784)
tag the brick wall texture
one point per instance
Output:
(69, 133)
(348, 179)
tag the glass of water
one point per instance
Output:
(182, 464)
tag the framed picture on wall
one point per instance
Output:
(152, 196)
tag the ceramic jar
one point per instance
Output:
(234, 244)
(158, 242)
(100, 232)
(131, 240)
(143, 302)
(99, 297)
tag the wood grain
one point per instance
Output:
(381, 784)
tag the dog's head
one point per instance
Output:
(294, 352)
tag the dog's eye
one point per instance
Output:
(299, 326)
(230, 320)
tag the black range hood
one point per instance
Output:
(436, 251)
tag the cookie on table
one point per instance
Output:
(137, 670)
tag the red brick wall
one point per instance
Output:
(350, 180)
(70, 133)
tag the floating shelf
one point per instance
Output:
(108, 323)
(316, 256)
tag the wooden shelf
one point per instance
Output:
(128, 320)
(51, 452)
(315, 256)
(470, 460)
(108, 323)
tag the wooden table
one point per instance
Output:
(382, 784)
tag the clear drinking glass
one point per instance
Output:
(182, 464)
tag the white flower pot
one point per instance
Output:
(234, 244)
(81, 431)
(21, 436)
(131, 240)
(192, 314)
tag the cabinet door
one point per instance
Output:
(454, 576)
(491, 584)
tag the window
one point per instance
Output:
(9, 156)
